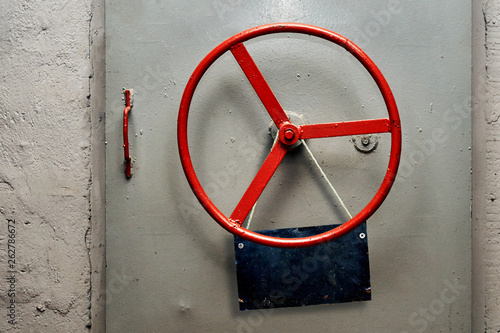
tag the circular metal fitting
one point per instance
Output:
(365, 143)
(289, 134)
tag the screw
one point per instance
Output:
(289, 135)
(241, 245)
(365, 141)
(362, 235)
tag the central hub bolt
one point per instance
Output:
(289, 134)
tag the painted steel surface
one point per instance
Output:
(171, 268)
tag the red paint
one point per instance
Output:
(258, 184)
(288, 134)
(128, 160)
(360, 127)
(259, 84)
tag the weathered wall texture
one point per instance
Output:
(51, 111)
(46, 77)
(486, 166)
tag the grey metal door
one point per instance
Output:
(170, 267)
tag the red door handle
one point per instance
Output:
(129, 94)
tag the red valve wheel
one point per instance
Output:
(288, 134)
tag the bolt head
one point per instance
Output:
(289, 134)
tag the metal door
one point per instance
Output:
(170, 267)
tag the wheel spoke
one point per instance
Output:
(258, 184)
(259, 84)
(360, 127)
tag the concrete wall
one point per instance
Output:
(486, 165)
(51, 165)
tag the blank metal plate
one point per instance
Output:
(334, 272)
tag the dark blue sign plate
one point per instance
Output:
(333, 272)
